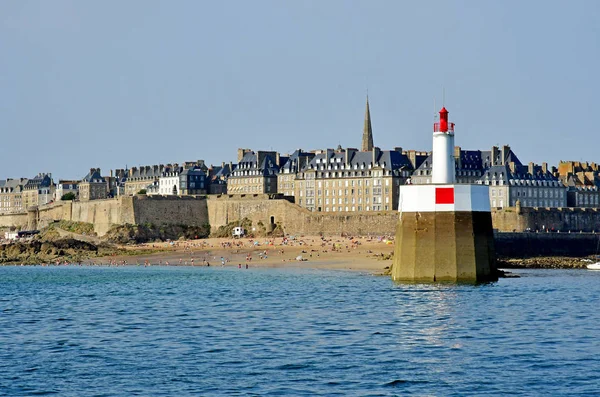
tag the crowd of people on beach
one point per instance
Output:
(201, 253)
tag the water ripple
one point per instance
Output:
(290, 332)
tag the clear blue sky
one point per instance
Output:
(113, 83)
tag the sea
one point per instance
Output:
(198, 331)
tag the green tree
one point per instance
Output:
(68, 196)
(143, 191)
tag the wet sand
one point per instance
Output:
(360, 253)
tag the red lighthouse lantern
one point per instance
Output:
(443, 120)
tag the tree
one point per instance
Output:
(143, 191)
(68, 196)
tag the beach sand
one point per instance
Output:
(358, 253)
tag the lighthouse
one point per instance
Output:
(443, 150)
(444, 231)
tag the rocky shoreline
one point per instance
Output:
(545, 262)
(60, 249)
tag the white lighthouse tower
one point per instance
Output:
(445, 229)
(443, 150)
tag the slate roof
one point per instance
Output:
(295, 162)
(390, 160)
(474, 160)
(93, 177)
(267, 167)
(520, 176)
(13, 185)
(38, 181)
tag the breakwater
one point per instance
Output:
(525, 245)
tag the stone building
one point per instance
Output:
(470, 164)
(38, 190)
(93, 186)
(509, 179)
(351, 180)
(64, 186)
(141, 178)
(582, 181)
(217, 178)
(255, 173)
(11, 191)
(531, 186)
(177, 180)
(291, 166)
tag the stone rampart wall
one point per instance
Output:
(102, 213)
(18, 221)
(219, 210)
(563, 219)
(162, 210)
(296, 220)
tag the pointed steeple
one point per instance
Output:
(367, 138)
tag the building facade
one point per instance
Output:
(93, 186)
(182, 181)
(63, 187)
(218, 177)
(38, 190)
(582, 181)
(292, 165)
(255, 173)
(531, 186)
(11, 199)
(141, 178)
(348, 180)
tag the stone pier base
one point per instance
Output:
(444, 246)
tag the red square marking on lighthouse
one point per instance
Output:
(444, 195)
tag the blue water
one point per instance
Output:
(184, 331)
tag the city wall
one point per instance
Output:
(218, 210)
(296, 220)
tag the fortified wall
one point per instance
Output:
(293, 219)
(218, 210)
(515, 219)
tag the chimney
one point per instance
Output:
(505, 152)
(512, 167)
(348, 155)
(111, 173)
(398, 149)
(530, 168)
(545, 167)
(376, 152)
(494, 155)
(457, 157)
(277, 160)
(412, 157)
(241, 153)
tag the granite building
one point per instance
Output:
(93, 186)
(255, 173)
(38, 190)
(351, 180)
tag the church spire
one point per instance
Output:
(367, 139)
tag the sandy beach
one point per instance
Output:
(369, 254)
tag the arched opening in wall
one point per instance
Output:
(175, 190)
(272, 220)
